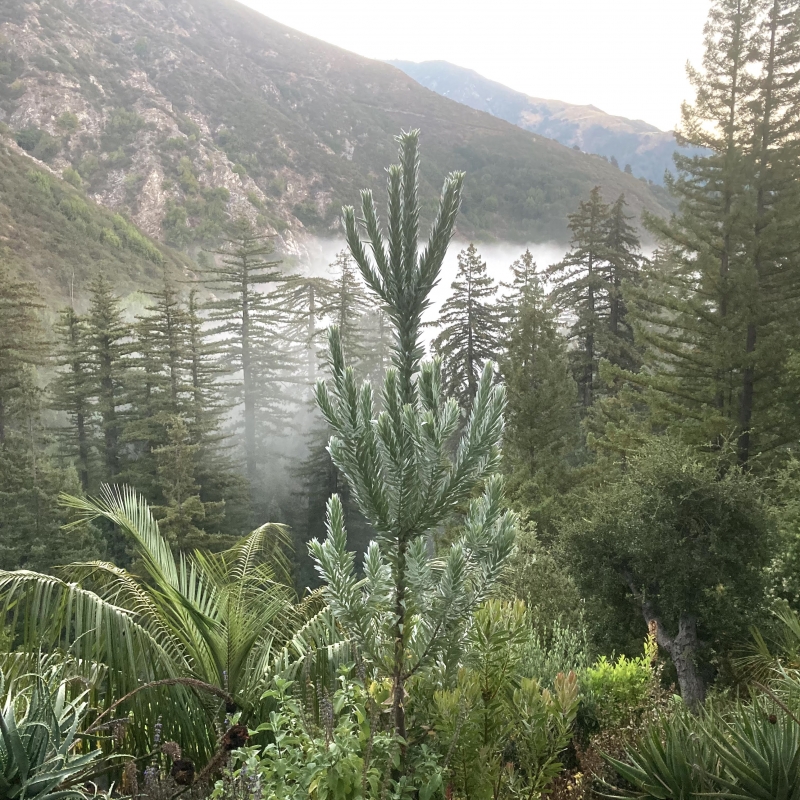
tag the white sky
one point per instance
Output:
(626, 57)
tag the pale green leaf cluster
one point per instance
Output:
(401, 464)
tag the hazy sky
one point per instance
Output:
(626, 57)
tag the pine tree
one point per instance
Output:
(542, 420)
(158, 386)
(719, 316)
(468, 323)
(525, 278)
(108, 337)
(775, 154)
(184, 518)
(72, 390)
(349, 304)
(307, 300)
(378, 337)
(621, 270)
(30, 518)
(245, 320)
(22, 340)
(580, 290)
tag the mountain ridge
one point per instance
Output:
(647, 149)
(182, 114)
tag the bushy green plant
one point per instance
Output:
(406, 475)
(500, 734)
(558, 647)
(347, 751)
(617, 688)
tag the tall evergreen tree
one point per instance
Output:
(221, 487)
(542, 420)
(719, 316)
(158, 385)
(775, 246)
(621, 270)
(349, 304)
(524, 279)
(241, 316)
(184, 518)
(73, 390)
(30, 518)
(109, 338)
(581, 291)
(22, 340)
(307, 299)
(404, 615)
(468, 337)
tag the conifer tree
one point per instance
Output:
(307, 300)
(404, 614)
(468, 336)
(184, 518)
(30, 519)
(22, 340)
(241, 315)
(775, 242)
(349, 304)
(524, 279)
(581, 290)
(158, 385)
(719, 316)
(621, 271)
(72, 390)
(205, 405)
(542, 412)
(109, 346)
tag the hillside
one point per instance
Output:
(181, 113)
(51, 233)
(644, 147)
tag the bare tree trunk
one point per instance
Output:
(682, 648)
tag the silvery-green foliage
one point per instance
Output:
(409, 480)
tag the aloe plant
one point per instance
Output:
(669, 762)
(40, 726)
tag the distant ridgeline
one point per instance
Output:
(627, 143)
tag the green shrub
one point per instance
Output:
(68, 122)
(72, 177)
(135, 240)
(174, 143)
(41, 180)
(47, 147)
(88, 167)
(344, 753)
(617, 688)
(28, 138)
(493, 711)
(109, 237)
(74, 208)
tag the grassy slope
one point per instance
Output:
(52, 234)
(309, 122)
